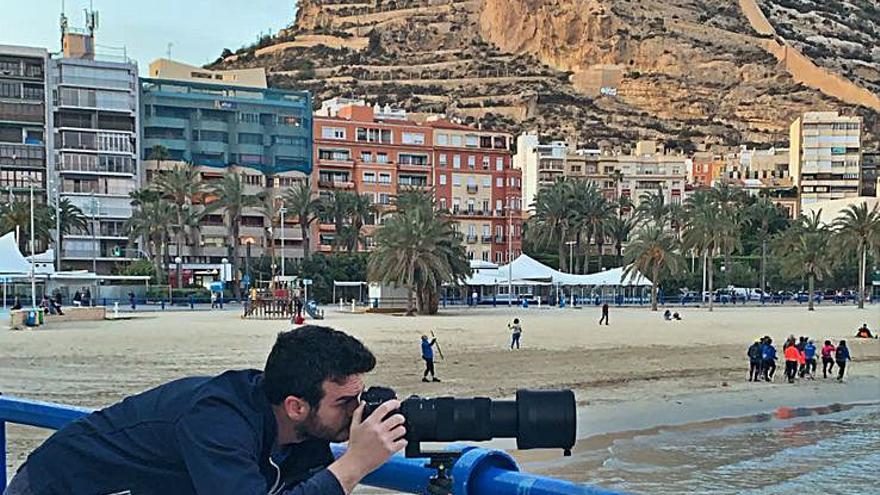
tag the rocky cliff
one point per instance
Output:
(678, 70)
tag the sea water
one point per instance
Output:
(829, 450)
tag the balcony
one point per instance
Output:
(335, 184)
(471, 239)
(472, 188)
(336, 162)
(486, 239)
(500, 239)
(97, 168)
(25, 155)
(22, 112)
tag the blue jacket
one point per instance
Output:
(842, 354)
(810, 351)
(427, 350)
(769, 352)
(199, 435)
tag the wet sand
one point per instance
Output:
(620, 373)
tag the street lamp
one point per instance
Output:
(282, 211)
(33, 260)
(95, 246)
(178, 260)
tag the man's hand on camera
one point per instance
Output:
(371, 442)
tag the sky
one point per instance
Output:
(197, 29)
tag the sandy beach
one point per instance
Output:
(638, 372)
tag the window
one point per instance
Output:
(472, 161)
(250, 138)
(499, 182)
(471, 141)
(370, 177)
(471, 204)
(499, 163)
(407, 159)
(442, 203)
(371, 135)
(334, 155)
(289, 140)
(381, 157)
(456, 205)
(485, 255)
(442, 139)
(443, 179)
(485, 162)
(333, 132)
(456, 140)
(213, 136)
(384, 198)
(442, 159)
(249, 118)
(498, 206)
(384, 178)
(456, 161)
(498, 257)
(289, 120)
(413, 138)
(487, 181)
(456, 180)
(366, 156)
(485, 207)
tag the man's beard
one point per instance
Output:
(312, 428)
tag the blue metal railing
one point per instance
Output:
(477, 471)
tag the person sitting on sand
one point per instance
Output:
(841, 356)
(676, 316)
(768, 353)
(828, 351)
(754, 354)
(864, 332)
(667, 315)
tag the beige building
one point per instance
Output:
(649, 170)
(169, 69)
(825, 156)
(541, 164)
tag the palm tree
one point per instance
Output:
(269, 209)
(18, 214)
(595, 212)
(805, 251)
(418, 248)
(229, 195)
(160, 154)
(151, 221)
(765, 214)
(652, 208)
(360, 208)
(653, 250)
(337, 208)
(701, 234)
(70, 219)
(300, 201)
(620, 229)
(180, 186)
(858, 228)
(551, 221)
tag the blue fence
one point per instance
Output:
(477, 471)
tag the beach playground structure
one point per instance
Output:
(280, 300)
(475, 472)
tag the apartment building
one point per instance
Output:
(870, 175)
(539, 164)
(263, 134)
(371, 151)
(649, 169)
(825, 156)
(23, 114)
(94, 130)
(475, 180)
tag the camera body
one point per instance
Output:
(537, 418)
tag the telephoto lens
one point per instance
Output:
(537, 418)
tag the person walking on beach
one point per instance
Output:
(604, 314)
(428, 357)
(516, 328)
(827, 359)
(792, 356)
(841, 356)
(810, 355)
(768, 353)
(754, 354)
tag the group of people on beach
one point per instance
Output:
(800, 356)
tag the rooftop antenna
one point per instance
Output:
(91, 19)
(63, 23)
(168, 50)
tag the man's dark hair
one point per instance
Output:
(303, 358)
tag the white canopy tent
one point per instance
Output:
(12, 263)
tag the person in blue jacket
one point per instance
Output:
(810, 356)
(841, 356)
(768, 353)
(428, 357)
(246, 432)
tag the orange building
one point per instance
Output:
(474, 179)
(359, 149)
(377, 152)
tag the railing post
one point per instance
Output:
(3, 455)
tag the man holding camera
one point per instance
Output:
(241, 432)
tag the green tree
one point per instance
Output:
(229, 195)
(551, 222)
(805, 250)
(858, 229)
(653, 208)
(18, 214)
(151, 221)
(71, 219)
(302, 203)
(701, 234)
(654, 251)
(418, 249)
(764, 214)
(336, 208)
(360, 209)
(180, 186)
(620, 230)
